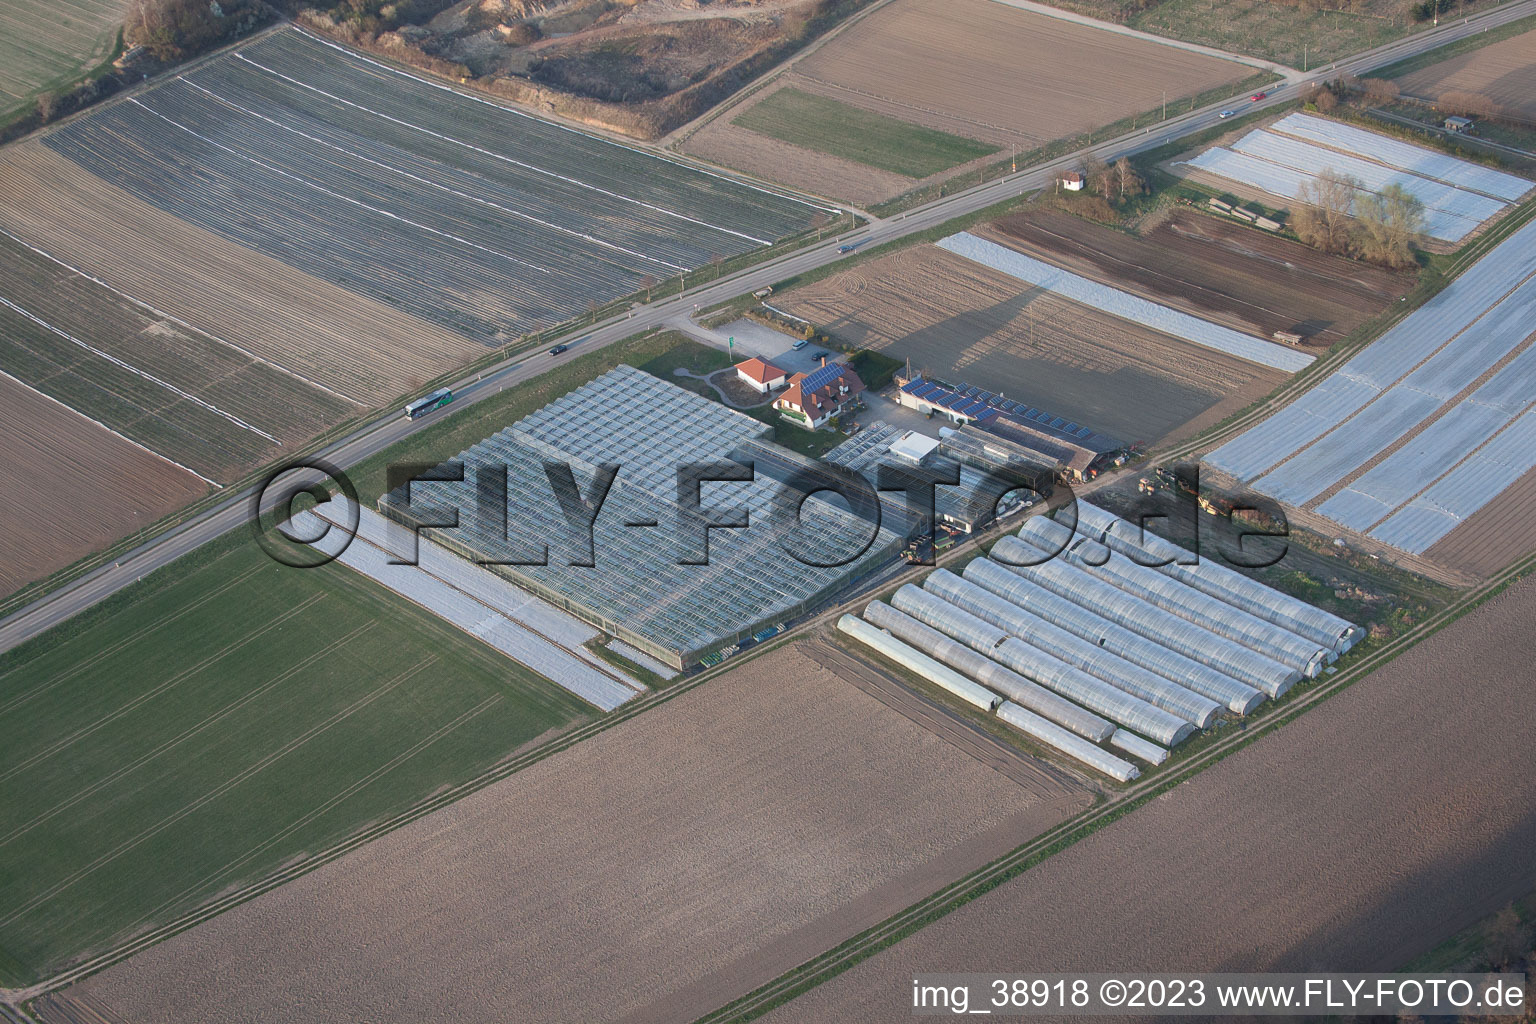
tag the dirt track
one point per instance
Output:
(1214, 269)
(1355, 838)
(69, 487)
(669, 864)
(962, 321)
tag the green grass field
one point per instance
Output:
(218, 720)
(46, 47)
(852, 133)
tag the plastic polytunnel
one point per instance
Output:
(1077, 584)
(1052, 673)
(1218, 580)
(988, 672)
(1069, 648)
(1197, 606)
(1053, 735)
(909, 657)
(1133, 744)
(1099, 631)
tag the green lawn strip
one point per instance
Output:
(1471, 948)
(219, 721)
(842, 130)
(636, 671)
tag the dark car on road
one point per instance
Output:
(558, 349)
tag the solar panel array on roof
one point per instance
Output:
(822, 376)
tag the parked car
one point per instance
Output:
(797, 346)
(819, 355)
(558, 349)
(1227, 113)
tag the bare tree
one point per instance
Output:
(1379, 91)
(1390, 224)
(1471, 104)
(47, 106)
(1323, 219)
(717, 261)
(1130, 180)
(1097, 174)
(648, 282)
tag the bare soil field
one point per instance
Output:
(955, 66)
(1353, 839)
(639, 67)
(1504, 72)
(671, 862)
(1214, 269)
(1284, 31)
(1494, 535)
(356, 347)
(190, 397)
(960, 321)
(69, 487)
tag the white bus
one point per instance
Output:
(422, 406)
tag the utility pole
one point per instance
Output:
(1165, 104)
(1303, 58)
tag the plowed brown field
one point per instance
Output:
(1353, 839)
(69, 487)
(962, 321)
(973, 68)
(1214, 269)
(1504, 72)
(1495, 535)
(650, 872)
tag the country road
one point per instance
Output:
(61, 604)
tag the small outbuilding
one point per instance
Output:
(1072, 181)
(1461, 125)
(761, 375)
(914, 447)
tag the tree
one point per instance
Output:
(47, 106)
(648, 282)
(1097, 174)
(1390, 225)
(1468, 104)
(1326, 100)
(1379, 91)
(1508, 939)
(1323, 219)
(1130, 180)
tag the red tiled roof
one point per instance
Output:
(759, 371)
(827, 396)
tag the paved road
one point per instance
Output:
(54, 608)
